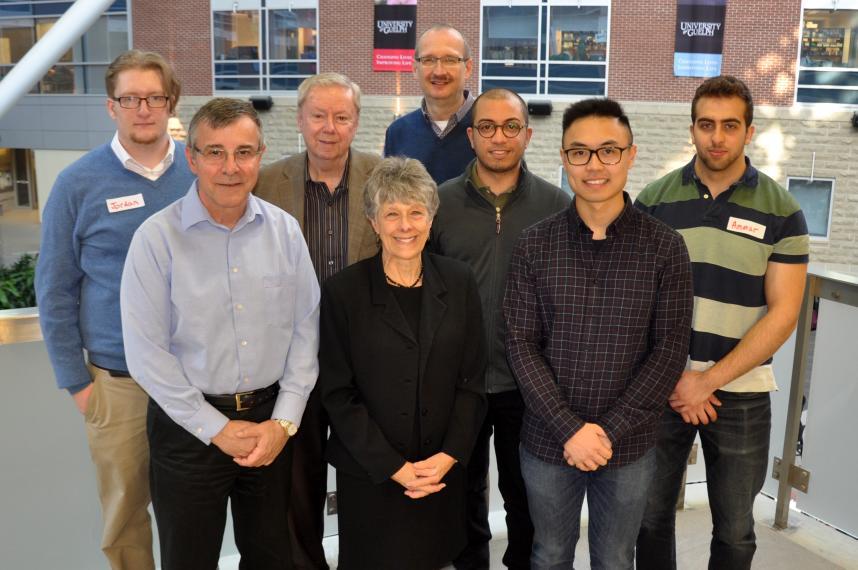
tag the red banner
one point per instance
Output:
(392, 59)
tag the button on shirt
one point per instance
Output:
(212, 310)
(131, 164)
(326, 220)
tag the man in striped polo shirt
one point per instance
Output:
(748, 243)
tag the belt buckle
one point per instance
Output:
(238, 405)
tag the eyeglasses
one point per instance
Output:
(510, 129)
(133, 102)
(217, 155)
(430, 61)
(608, 155)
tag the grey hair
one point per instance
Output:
(399, 179)
(328, 79)
(466, 47)
(221, 112)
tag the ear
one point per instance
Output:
(750, 134)
(469, 67)
(633, 152)
(189, 156)
(528, 133)
(470, 132)
(110, 109)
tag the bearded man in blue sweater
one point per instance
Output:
(436, 134)
(93, 210)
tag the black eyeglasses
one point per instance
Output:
(133, 102)
(430, 61)
(608, 155)
(510, 129)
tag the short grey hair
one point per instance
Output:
(328, 79)
(221, 112)
(399, 179)
(466, 47)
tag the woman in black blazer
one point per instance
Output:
(401, 364)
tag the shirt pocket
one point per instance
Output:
(279, 292)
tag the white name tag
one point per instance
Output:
(746, 227)
(125, 203)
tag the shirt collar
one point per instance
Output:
(458, 115)
(618, 226)
(129, 163)
(193, 211)
(750, 177)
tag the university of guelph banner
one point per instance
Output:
(699, 38)
(394, 37)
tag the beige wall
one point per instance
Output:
(48, 165)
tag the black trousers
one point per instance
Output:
(504, 418)
(191, 483)
(309, 487)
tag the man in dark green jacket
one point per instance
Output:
(482, 213)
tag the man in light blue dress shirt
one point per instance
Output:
(220, 308)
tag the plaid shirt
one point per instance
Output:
(597, 333)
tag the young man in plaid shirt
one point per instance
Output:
(598, 308)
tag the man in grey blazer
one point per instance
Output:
(323, 189)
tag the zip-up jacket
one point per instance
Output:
(470, 228)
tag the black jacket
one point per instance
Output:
(368, 357)
(466, 228)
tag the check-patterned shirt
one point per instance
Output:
(597, 334)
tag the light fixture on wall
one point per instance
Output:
(262, 102)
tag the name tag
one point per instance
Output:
(748, 227)
(125, 203)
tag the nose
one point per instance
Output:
(329, 123)
(718, 134)
(498, 136)
(230, 165)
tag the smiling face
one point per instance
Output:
(594, 182)
(328, 120)
(403, 229)
(720, 134)
(499, 153)
(439, 83)
(223, 186)
(143, 125)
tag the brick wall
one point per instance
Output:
(760, 47)
(783, 146)
(181, 32)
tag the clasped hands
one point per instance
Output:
(422, 478)
(694, 398)
(588, 449)
(251, 444)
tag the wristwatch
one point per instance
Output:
(290, 428)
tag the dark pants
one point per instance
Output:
(735, 448)
(504, 417)
(191, 483)
(309, 487)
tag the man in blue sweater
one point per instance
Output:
(93, 210)
(436, 133)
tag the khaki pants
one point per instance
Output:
(116, 431)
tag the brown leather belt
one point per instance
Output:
(243, 400)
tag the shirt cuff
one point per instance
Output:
(206, 423)
(565, 425)
(289, 406)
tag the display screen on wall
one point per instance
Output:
(394, 35)
(815, 196)
(699, 38)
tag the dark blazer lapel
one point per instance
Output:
(382, 295)
(432, 310)
(293, 173)
(358, 174)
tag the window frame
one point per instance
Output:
(264, 76)
(542, 77)
(833, 181)
(822, 5)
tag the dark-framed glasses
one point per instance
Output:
(608, 155)
(217, 155)
(510, 129)
(431, 61)
(133, 102)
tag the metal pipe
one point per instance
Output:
(47, 51)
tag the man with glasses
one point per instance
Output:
(220, 314)
(748, 239)
(93, 210)
(323, 189)
(598, 310)
(482, 213)
(436, 133)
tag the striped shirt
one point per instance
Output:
(597, 336)
(731, 240)
(326, 223)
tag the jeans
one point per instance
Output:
(615, 498)
(504, 417)
(735, 448)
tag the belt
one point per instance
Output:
(113, 373)
(243, 400)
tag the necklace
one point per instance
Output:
(390, 280)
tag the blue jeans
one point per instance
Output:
(736, 449)
(615, 499)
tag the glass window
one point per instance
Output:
(570, 34)
(261, 47)
(81, 68)
(829, 50)
(816, 198)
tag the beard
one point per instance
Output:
(145, 139)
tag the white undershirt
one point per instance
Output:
(442, 124)
(130, 164)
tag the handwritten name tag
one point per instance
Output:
(746, 227)
(125, 203)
